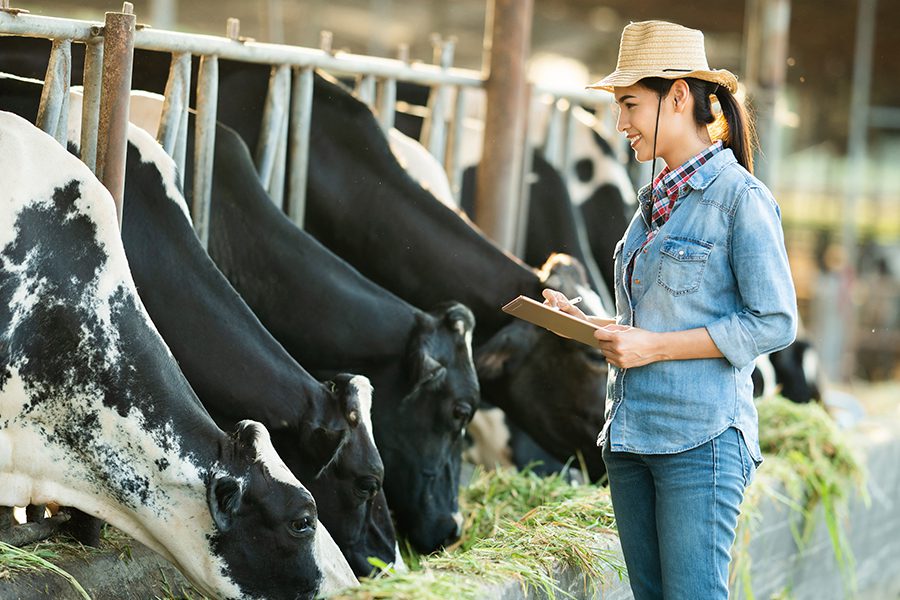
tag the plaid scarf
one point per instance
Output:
(668, 182)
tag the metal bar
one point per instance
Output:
(173, 123)
(53, 112)
(525, 181)
(434, 129)
(46, 27)
(277, 102)
(90, 107)
(884, 117)
(454, 151)
(387, 103)
(204, 144)
(276, 189)
(253, 52)
(301, 118)
(499, 174)
(553, 138)
(855, 178)
(568, 141)
(112, 136)
(365, 89)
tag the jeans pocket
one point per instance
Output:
(682, 264)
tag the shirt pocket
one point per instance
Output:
(682, 264)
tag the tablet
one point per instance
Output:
(553, 319)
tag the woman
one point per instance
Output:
(703, 287)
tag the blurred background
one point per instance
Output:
(821, 76)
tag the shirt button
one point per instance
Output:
(637, 281)
(681, 253)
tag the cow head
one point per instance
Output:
(348, 489)
(423, 451)
(265, 520)
(534, 375)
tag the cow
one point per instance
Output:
(95, 413)
(427, 254)
(239, 370)
(330, 317)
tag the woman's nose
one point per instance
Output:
(621, 125)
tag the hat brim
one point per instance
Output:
(625, 78)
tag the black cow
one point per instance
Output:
(234, 365)
(329, 317)
(95, 413)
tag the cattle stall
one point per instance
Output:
(282, 150)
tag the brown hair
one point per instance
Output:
(734, 127)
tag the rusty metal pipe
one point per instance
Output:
(112, 134)
(53, 112)
(173, 123)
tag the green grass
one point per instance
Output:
(518, 526)
(807, 456)
(17, 559)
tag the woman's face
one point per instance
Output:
(637, 108)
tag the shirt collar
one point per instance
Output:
(670, 180)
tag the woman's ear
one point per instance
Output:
(680, 93)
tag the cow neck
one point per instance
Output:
(324, 312)
(352, 171)
(190, 301)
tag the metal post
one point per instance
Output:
(112, 135)
(855, 178)
(53, 112)
(276, 187)
(277, 103)
(204, 144)
(553, 138)
(434, 129)
(772, 72)
(499, 175)
(454, 145)
(526, 179)
(173, 123)
(301, 117)
(365, 89)
(90, 108)
(386, 101)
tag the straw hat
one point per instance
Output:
(661, 49)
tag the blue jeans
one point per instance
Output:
(677, 514)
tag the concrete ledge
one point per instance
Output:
(139, 574)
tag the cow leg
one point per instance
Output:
(83, 527)
(7, 519)
(34, 513)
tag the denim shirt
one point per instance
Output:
(719, 262)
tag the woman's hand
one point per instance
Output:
(559, 301)
(627, 347)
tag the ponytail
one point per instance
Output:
(737, 130)
(733, 126)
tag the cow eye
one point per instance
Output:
(462, 413)
(366, 487)
(302, 527)
(436, 374)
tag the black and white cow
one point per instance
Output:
(95, 413)
(330, 317)
(235, 366)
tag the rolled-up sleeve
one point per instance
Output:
(768, 320)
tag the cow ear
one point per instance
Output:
(224, 499)
(502, 352)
